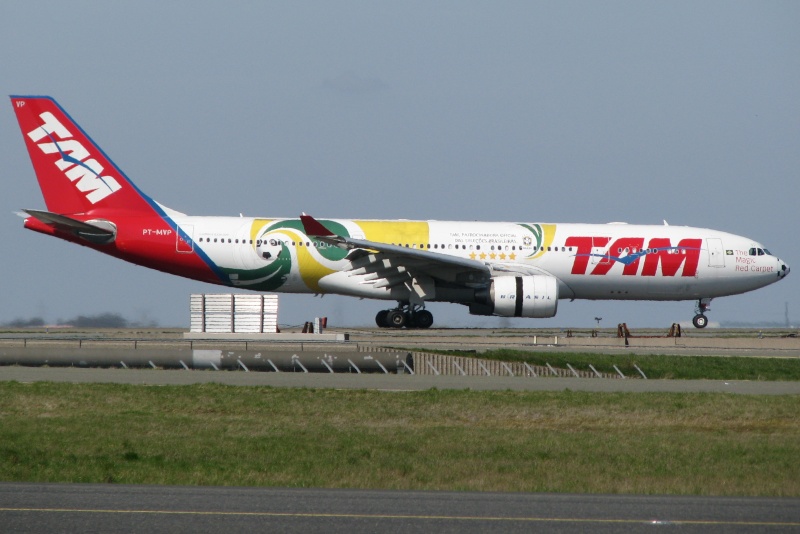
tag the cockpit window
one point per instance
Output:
(759, 252)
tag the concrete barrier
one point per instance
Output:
(205, 358)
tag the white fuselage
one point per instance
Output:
(590, 261)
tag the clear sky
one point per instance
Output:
(520, 111)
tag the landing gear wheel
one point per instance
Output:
(380, 319)
(700, 321)
(396, 319)
(423, 319)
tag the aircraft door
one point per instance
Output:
(716, 254)
(184, 242)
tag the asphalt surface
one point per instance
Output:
(116, 508)
(388, 382)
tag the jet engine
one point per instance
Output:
(518, 296)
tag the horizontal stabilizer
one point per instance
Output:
(96, 231)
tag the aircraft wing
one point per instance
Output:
(388, 265)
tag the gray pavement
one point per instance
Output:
(38, 508)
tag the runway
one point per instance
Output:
(118, 508)
(389, 382)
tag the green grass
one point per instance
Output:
(709, 444)
(658, 366)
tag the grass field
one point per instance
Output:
(709, 444)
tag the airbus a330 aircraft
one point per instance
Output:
(504, 269)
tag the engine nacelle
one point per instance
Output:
(519, 296)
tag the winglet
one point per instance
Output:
(314, 228)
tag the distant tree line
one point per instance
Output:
(102, 320)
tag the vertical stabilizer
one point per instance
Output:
(75, 175)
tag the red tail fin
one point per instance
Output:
(74, 174)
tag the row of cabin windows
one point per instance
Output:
(274, 242)
(498, 248)
(634, 250)
(259, 242)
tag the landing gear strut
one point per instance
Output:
(700, 320)
(405, 314)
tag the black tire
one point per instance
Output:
(423, 319)
(380, 319)
(700, 321)
(396, 319)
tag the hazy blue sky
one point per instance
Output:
(524, 111)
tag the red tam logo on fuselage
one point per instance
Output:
(76, 163)
(629, 251)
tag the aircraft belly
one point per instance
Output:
(632, 288)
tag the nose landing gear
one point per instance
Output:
(700, 320)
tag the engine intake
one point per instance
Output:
(518, 296)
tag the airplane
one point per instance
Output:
(505, 269)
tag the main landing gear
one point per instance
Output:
(700, 320)
(408, 315)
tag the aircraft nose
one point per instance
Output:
(784, 270)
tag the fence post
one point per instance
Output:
(574, 372)
(296, 360)
(640, 371)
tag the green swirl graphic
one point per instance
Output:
(329, 253)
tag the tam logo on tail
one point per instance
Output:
(76, 162)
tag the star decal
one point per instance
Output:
(483, 255)
(472, 255)
(492, 255)
(512, 256)
(502, 255)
